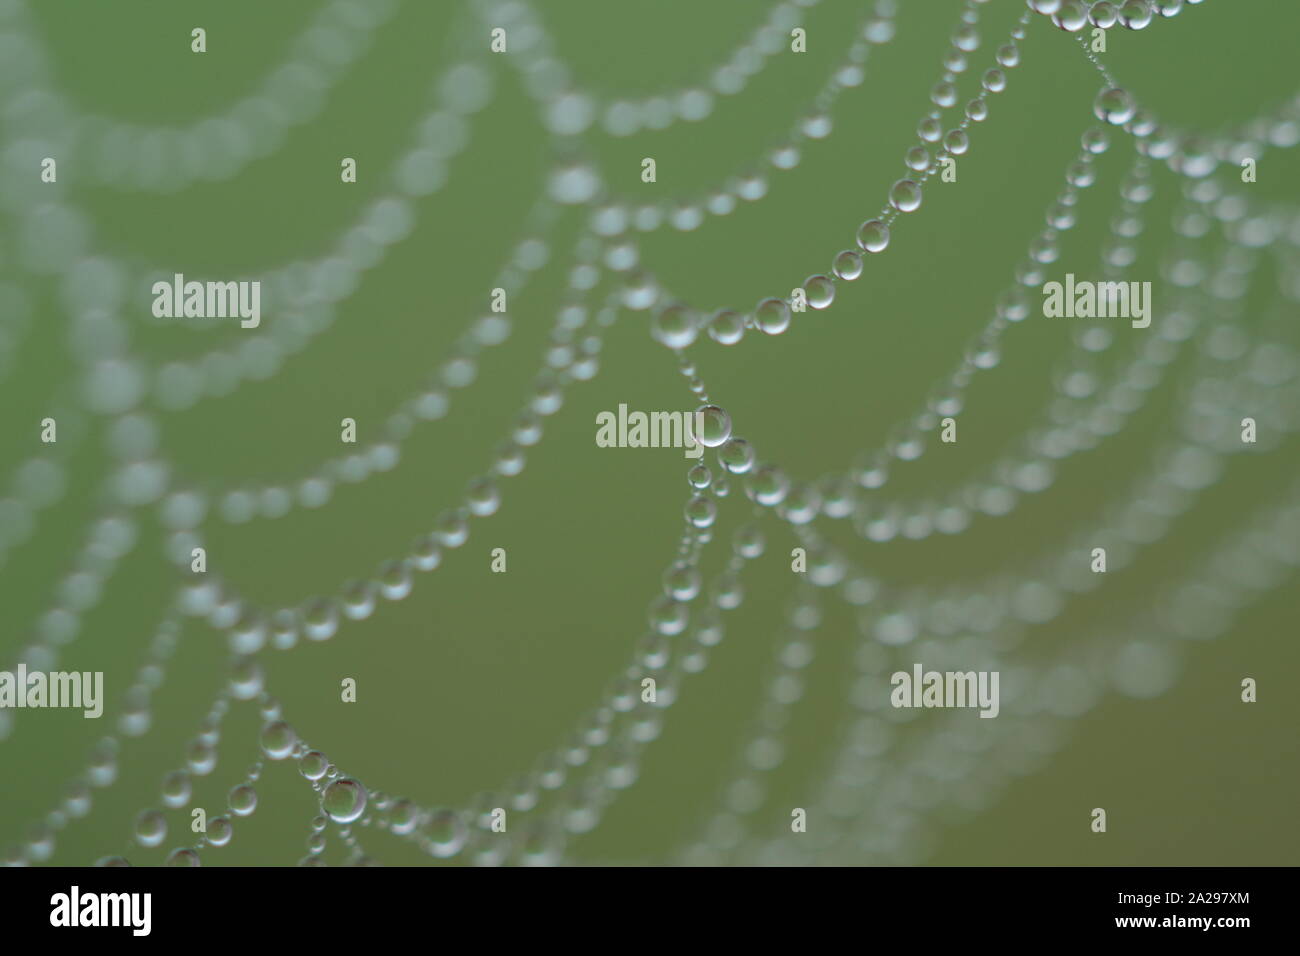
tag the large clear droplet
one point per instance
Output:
(1136, 14)
(1114, 105)
(150, 828)
(1072, 17)
(772, 316)
(716, 425)
(873, 236)
(727, 327)
(278, 740)
(737, 456)
(905, 196)
(344, 800)
(820, 291)
(675, 327)
(243, 800)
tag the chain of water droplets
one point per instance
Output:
(1187, 468)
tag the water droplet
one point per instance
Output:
(737, 456)
(768, 486)
(668, 617)
(402, 818)
(344, 800)
(313, 765)
(394, 580)
(873, 236)
(1114, 106)
(682, 583)
(726, 327)
(1072, 16)
(675, 327)
(716, 425)
(242, 800)
(820, 291)
(701, 511)
(150, 828)
(848, 265)
(1096, 140)
(320, 618)
(905, 196)
(278, 740)
(202, 758)
(570, 113)
(772, 316)
(1103, 14)
(1136, 14)
(220, 830)
(176, 788)
(445, 833)
(183, 857)
(956, 142)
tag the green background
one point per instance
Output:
(465, 682)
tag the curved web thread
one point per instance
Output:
(567, 800)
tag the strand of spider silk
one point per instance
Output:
(677, 324)
(569, 109)
(101, 768)
(628, 722)
(929, 651)
(1194, 154)
(1025, 470)
(836, 493)
(825, 569)
(108, 540)
(582, 806)
(764, 744)
(729, 825)
(595, 793)
(1118, 249)
(56, 237)
(1254, 565)
(314, 290)
(150, 828)
(444, 833)
(319, 617)
(1182, 472)
(276, 739)
(1121, 401)
(150, 825)
(1175, 479)
(217, 146)
(737, 456)
(614, 216)
(186, 506)
(1252, 560)
(1047, 441)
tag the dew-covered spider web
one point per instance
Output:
(224, 685)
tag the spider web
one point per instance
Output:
(889, 778)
